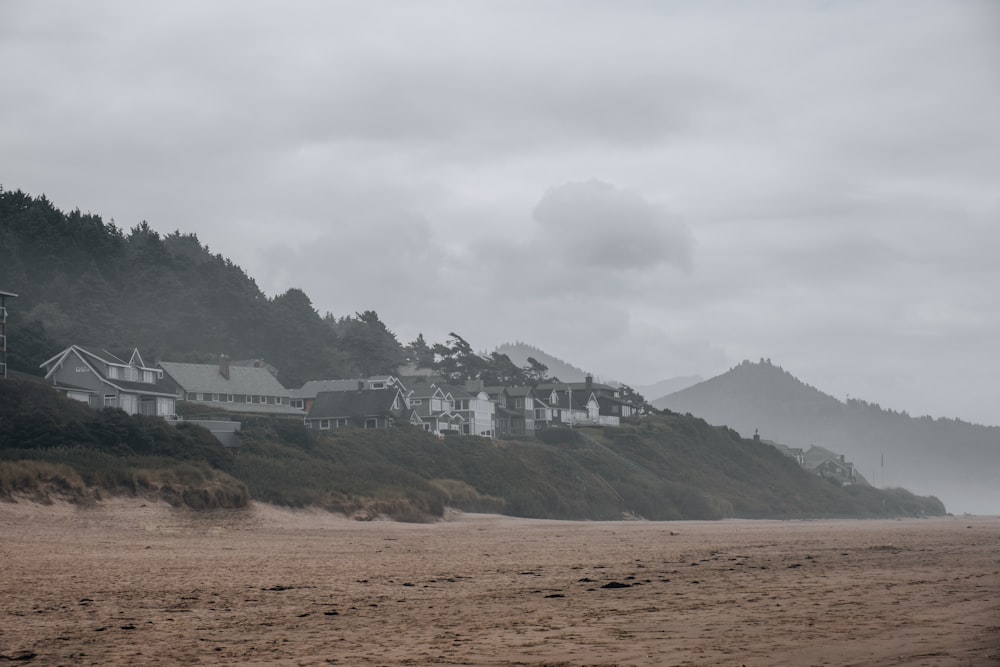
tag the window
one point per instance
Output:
(395, 403)
(378, 385)
(371, 423)
(113, 372)
(192, 396)
(341, 422)
(416, 401)
(297, 403)
(324, 424)
(518, 402)
(109, 400)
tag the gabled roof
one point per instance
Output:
(96, 360)
(575, 386)
(206, 378)
(816, 455)
(421, 390)
(580, 399)
(357, 403)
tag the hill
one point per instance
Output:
(955, 460)
(668, 386)
(520, 352)
(85, 281)
(664, 467)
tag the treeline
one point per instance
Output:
(665, 467)
(86, 281)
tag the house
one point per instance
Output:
(515, 410)
(474, 405)
(588, 402)
(358, 408)
(103, 380)
(829, 464)
(3, 331)
(243, 389)
(433, 403)
(304, 396)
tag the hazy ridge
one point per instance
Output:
(954, 459)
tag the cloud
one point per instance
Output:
(594, 224)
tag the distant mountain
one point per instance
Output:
(519, 353)
(954, 460)
(566, 372)
(669, 386)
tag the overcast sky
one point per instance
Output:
(644, 189)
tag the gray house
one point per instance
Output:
(360, 408)
(103, 380)
(243, 389)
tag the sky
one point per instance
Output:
(643, 189)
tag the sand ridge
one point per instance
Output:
(128, 582)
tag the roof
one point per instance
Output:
(360, 402)
(312, 388)
(816, 455)
(89, 356)
(575, 386)
(206, 378)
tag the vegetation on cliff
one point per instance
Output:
(664, 467)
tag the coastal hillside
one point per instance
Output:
(82, 280)
(666, 467)
(953, 459)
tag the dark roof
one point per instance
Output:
(366, 402)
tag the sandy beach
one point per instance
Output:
(129, 583)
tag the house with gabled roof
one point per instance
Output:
(359, 408)
(304, 396)
(515, 410)
(434, 404)
(103, 380)
(587, 402)
(242, 389)
(829, 464)
(474, 405)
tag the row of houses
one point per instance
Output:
(103, 379)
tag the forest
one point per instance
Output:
(82, 280)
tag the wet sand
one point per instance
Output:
(127, 583)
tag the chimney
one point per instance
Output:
(361, 385)
(224, 366)
(590, 381)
